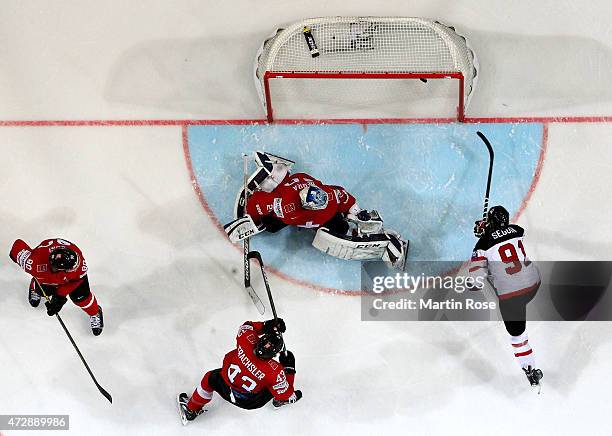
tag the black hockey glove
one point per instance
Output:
(287, 359)
(274, 326)
(298, 395)
(272, 224)
(294, 399)
(55, 305)
(479, 228)
(364, 215)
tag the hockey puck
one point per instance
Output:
(234, 270)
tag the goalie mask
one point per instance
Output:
(314, 198)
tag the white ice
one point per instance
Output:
(164, 273)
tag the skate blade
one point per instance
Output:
(180, 410)
(537, 388)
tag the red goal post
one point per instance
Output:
(365, 75)
(349, 63)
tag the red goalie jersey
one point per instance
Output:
(35, 261)
(284, 202)
(246, 373)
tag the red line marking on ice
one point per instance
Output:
(194, 182)
(536, 175)
(194, 122)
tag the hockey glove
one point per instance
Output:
(364, 215)
(293, 399)
(479, 228)
(55, 305)
(287, 359)
(272, 224)
(274, 326)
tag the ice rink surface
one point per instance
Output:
(130, 196)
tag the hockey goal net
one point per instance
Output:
(365, 67)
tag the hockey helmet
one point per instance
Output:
(63, 259)
(313, 198)
(498, 218)
(269, 345)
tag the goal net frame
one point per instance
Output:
(464, 62)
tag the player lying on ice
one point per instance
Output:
(275, 198)
(499, 256)
(249, 377)
(60, 268)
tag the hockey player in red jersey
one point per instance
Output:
(276, 199)
(249, 377)
(303, 201)
(499, 256)
(60, 269)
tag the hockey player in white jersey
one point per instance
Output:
(499, 256)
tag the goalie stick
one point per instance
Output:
(246, 245)
(491, 156)
(59, 318)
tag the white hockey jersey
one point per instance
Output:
(500, 257)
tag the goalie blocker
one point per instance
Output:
(386, 246)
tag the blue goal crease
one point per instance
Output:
(426, 180)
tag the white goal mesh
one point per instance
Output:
(348, 67)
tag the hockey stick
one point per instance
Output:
(59, 318)
(491, 156)
(257, 255)
(246, 245)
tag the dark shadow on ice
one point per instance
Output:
(180, 74)
(557, 72)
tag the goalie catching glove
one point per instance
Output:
(367, 223)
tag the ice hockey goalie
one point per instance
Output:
(275, 198)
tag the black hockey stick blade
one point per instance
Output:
(490, 175)
(255, 255)
(103, 391)
(484, 139)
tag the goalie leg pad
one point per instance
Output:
(372, 247)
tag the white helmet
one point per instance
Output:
(314, 198)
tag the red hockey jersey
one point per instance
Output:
(285, 204)
(36, 263)
(244, 372)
